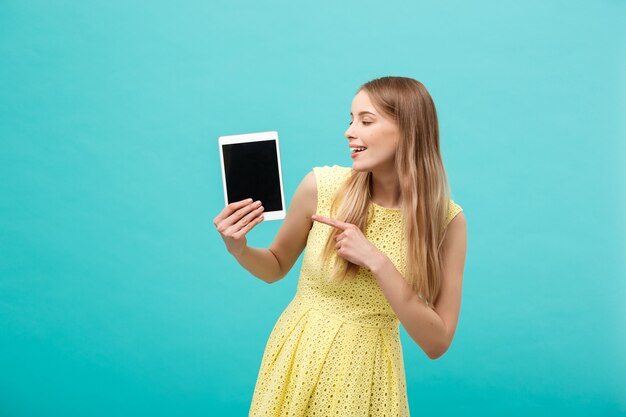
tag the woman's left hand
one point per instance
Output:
(352, 245)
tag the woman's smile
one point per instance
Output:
(355, 150)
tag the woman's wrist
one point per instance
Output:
(238, 254)
(377, 262)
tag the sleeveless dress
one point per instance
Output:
(335, 350)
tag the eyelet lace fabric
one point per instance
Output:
(335, 350)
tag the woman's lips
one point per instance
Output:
(354, 154)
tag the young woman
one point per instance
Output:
(384, 244)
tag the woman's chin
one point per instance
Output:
(356, 163)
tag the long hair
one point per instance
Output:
(423, 181)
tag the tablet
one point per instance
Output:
(251, 169)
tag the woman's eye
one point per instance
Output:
(367, 123)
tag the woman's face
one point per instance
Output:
(377, 133)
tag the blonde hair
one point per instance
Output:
(424, 186)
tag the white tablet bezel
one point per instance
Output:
(255, 137)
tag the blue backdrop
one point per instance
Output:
(117, 296)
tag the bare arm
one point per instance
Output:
(431, 328)
(273, 263)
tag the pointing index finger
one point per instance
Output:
(329, 221)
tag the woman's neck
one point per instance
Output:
(386, 189)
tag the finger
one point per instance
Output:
(236, 216)
(331, 222)
(249, 217)
(230, 209)
(248, 227)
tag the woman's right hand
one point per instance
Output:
(235, 221)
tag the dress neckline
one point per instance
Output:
(384, 208)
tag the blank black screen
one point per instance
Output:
(251, 171)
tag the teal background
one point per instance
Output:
(117, 297)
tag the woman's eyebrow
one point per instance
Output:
(364, 111)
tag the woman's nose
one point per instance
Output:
(348, 133)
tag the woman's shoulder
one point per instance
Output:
(332, 169)
(332, 173)
(454, 206)
(453, 209)
(328, 179)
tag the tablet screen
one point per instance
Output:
(251, 171)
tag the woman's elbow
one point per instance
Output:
(436, 354)
(438, 351)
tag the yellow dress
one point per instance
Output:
(335, 350)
